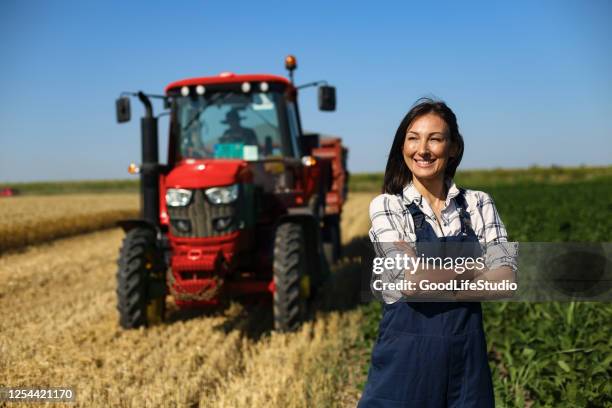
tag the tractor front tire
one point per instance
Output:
(291, 279)
(141, 268)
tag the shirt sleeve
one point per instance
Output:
(498, 251)
(388, 227)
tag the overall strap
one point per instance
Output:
(418, 217)
(464, 215)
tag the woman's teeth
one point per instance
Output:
(425, 162)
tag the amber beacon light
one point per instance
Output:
(290, 62)
(291, 65)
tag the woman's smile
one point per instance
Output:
(424, 163)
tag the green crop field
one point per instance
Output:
(543, 354)
(500, 177)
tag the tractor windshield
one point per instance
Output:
(229, 125)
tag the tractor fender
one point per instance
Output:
(307, 219)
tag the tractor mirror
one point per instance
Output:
(123, 109)
(327, 98)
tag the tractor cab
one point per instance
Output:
(250, 118)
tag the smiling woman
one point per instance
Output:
(432, 354)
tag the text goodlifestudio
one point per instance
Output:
(454, 285)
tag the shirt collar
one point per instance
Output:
(412, 195)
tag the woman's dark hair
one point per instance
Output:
(397, 173)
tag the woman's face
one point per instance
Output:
(427, 147)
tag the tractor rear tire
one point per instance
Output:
(291, 279)
(141, 268)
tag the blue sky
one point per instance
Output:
(530, 82)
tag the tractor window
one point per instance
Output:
(293, 126)
(229, 125)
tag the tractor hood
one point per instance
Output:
(193, 174)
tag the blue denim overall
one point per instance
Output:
(431, 354)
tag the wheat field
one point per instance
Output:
(32, 219)
(59, 328)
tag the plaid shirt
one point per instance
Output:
(392, 222)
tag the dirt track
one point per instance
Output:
(59, 328)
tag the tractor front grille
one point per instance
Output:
(201, 219)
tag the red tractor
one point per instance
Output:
(248, 205)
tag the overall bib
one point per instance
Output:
(432, 354)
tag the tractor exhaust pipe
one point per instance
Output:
(149, 170)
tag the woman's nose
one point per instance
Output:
(422, 147)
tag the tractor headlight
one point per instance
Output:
(222, 195)
(178, 197)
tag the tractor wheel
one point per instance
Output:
(291, 278)
(141, 299)
(331, 240)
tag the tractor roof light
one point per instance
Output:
(291, 65)
(290, 62)
(246, 87)
(200, 90)
(185, 91)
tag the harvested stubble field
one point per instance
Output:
(59, 328)
(31, 219)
